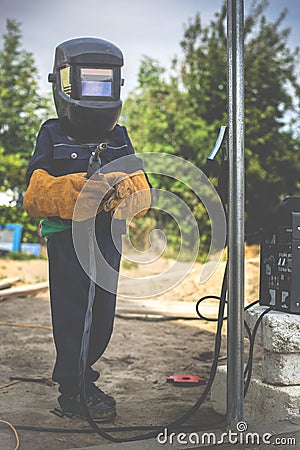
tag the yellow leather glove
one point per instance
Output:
(131, 196)
(47, 195)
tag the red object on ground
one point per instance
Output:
(185, 380)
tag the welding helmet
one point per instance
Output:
(86, 82)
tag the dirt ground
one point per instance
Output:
(134, 368)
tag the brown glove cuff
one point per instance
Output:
(47, 195)
(56, 196)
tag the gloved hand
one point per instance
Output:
(131, 196)
(47, 195)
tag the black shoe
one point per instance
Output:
(108, 399)
(98, 409)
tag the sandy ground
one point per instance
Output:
(134, 368)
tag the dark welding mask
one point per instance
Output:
(86, 87)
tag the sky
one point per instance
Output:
(139, 27)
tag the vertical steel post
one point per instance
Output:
(235, 340)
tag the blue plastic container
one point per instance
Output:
(10, 237)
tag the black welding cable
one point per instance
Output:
(85, 340)
(248, 373)
(83, 358)
(85, 346)
(156, 429)
(213, 370)
(248, 370)
(251, 336)
(83, 362)
(186, 428)
(177, 424)
(146, 318)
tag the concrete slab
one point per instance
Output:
(281, 368)
(278, 332)
(264, 402)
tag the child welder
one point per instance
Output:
(86, 88)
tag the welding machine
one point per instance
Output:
(280, 260)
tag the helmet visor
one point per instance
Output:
(96, 82)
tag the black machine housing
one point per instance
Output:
(280, 260)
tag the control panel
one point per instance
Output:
(280, 268)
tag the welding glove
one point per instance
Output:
(131, 196)
(47, 195)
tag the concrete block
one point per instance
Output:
(263, 403)
(218, 396)
(278, 332)
(281, 368)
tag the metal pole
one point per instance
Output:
(235, 339)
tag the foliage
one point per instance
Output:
(161, 120)
(271, 99)
(179, 110)
(22, 109)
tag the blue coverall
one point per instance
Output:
(60, 155)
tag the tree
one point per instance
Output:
(191, 105)
(160, 119)
(22, 109)
(271, 99)
(203, 68)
